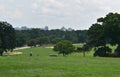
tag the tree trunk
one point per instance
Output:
(64, 54)
(1, 52)
(84, 53)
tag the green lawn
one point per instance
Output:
(41, 65)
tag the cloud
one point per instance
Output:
(11, 1)
(16, 15)
(7, 13)
(35, 5)
(56, 13)
(2, 8)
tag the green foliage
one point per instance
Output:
(22, 37)
(32, 43)
(64, 47)
(49, 36)
(71, 36)
(82, 36)
(43, 40)
(105, 31)
(103, 52)
(7, 37)
(96, 35)
(83, 48)
(117, 51)
(111, 25)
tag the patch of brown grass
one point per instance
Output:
(12, 53)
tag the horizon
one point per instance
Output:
(43, 28)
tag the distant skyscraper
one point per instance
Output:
(46, 28)
(24, 28)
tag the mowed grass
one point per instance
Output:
(42, 65)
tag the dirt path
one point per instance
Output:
(21, 48)
(50, 47)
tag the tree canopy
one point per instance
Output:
(49, 36)
(64, 47)
(7, 37)
(105, 31)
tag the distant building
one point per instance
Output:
(22, 28)
(69, 29)
(63, 28)
(46, 28)
(17, 28)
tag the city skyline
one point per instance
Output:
(75, 14)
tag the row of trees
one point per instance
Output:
(37, 36)
(101, 34)
(11, 38)
(65, 47)
(105, 31)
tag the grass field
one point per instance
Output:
(42, 65)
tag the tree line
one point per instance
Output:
(101, 34)
(40, 37)
(11, 38)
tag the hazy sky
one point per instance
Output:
(77, 14)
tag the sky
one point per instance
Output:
(76, 14)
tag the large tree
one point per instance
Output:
(64, 47)
(7, 37)
(32, 43)
(96, 35)
(106, 31)
(111, 24)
